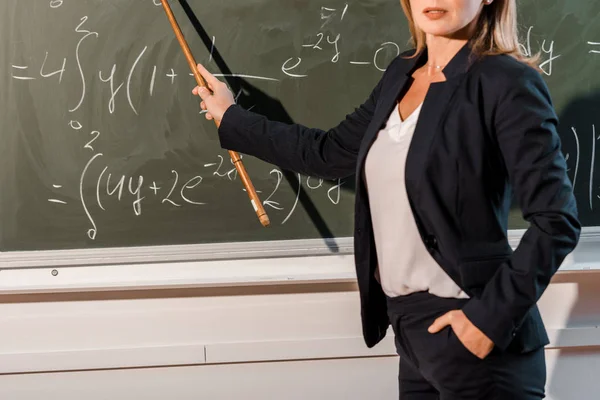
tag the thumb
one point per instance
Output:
(210, 79)
(439, 324)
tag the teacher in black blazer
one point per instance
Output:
(454, 128)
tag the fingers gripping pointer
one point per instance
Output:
(216, 100)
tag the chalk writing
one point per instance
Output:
(590, 184)
(594, 47)
(125, 84)
(546, 49)
(328, 15)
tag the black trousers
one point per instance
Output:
(438, 366)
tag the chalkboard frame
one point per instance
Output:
(590, 241)
(176, 253)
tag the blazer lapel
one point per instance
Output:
(399, 80)
(432, 112)
(388, 99)
(431, 115)
(435, 107)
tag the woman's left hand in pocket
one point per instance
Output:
(471, 337)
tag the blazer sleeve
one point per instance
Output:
(525, 125)
(328, 154)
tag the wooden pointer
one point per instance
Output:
(237, 161)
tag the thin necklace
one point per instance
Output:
(435, 66)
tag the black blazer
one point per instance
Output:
(485, 133)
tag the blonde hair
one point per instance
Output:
(496, 32)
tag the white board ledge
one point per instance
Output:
(319, 269)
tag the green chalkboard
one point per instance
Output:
(103, 144)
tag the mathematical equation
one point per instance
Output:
(175, 194)
(594, 138)
(188, 190)
(290, 67)
(136, 190)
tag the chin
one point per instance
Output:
(437, 29)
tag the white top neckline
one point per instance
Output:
(411, 116)
(404, 263)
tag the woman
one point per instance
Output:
(452, 129)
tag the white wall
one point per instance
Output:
(229, 321)
(294, 341)
(370, 378)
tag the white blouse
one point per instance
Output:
(404, 263)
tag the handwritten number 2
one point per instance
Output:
(89, 144)
(171, 191)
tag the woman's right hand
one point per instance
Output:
(217, 102)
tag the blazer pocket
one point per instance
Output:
(476, 273)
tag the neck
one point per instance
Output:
(440, 51)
